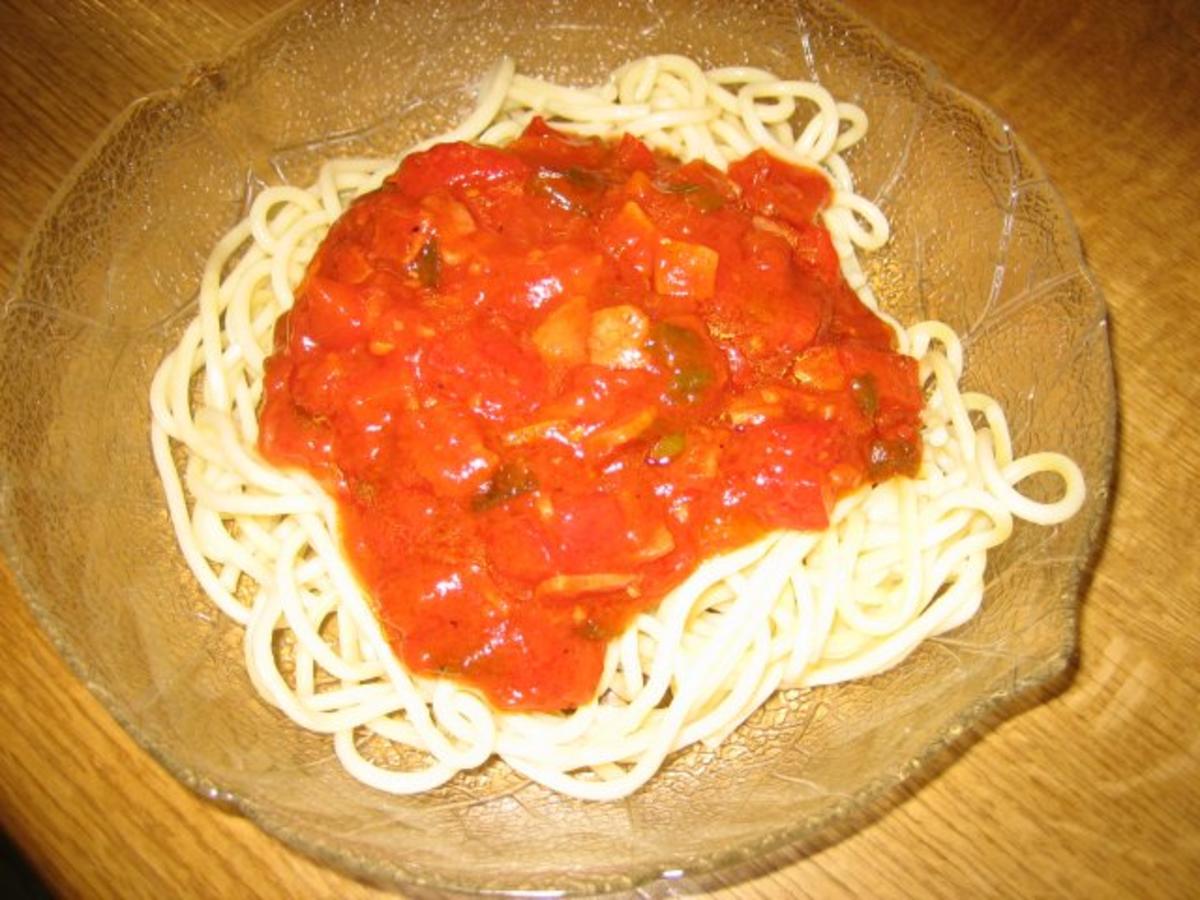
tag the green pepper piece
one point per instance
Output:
(865, 394)
(887, 458)
(666, 448)
(543, 184)
(701, 196)
(429, 264)
(511, 479)
(681, 352)
(584, 177)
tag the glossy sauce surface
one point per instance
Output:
(545, 382)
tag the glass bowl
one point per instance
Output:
(108, 281)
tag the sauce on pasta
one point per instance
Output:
(543, 383)
(549, 381)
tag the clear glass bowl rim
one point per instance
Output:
(869, 803)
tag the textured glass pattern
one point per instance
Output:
(108, 281)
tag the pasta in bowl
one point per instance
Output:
(776, 745)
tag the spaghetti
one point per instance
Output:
(899, 562)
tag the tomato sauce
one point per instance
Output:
(543, 383)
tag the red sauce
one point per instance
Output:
(545, 382)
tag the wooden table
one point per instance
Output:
(1094, 793)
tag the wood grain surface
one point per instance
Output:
(1096, 792)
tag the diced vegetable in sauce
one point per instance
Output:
(511, 479)
(429, 264)
(681, 352)
(666, 448)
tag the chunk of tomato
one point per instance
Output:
(457, 165)
(775, 188)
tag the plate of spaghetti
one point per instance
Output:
(560, 458)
